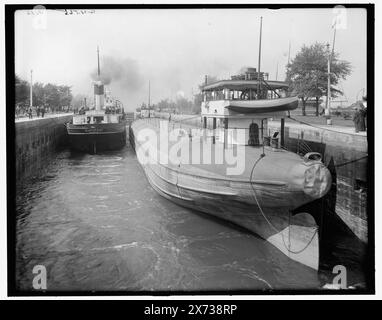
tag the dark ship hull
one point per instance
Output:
(93, 138)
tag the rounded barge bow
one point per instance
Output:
(299, 237)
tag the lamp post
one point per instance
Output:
(330, 56)
(328, 95)
(31, 91)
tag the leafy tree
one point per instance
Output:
(65, 95)
(38, 94)
(52, 96)
(22, 91)
(307, 73)
(165, 104)
(49, 94)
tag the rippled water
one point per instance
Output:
(95, 223)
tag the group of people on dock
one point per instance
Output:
(29, 111)
(22, 110)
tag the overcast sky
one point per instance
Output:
(175, 48)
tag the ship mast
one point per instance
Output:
(259, 62)
(99, 72)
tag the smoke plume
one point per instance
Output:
(122, 72)
(124, 77)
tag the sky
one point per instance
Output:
(175, 48)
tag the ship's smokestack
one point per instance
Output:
(98, 88)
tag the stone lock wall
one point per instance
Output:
(346, 156)
(36, 141)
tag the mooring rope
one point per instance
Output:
(351, 161)
(318, 127)
(268, 221)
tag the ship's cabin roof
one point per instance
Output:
(240, 90)
(244, 85)
(249, 92)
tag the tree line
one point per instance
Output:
(49, 95)
(307, 74)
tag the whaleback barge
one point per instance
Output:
(265, 196)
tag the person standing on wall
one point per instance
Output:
(364, 102)
(17, 111)
(359, 117)
(30, 113)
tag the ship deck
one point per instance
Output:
(243, 158)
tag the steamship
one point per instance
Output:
(265, 196)
(103, 127)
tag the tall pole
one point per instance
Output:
(328, 95)
(31, 91)
(277, 70)
(334, 40)
(330, 57)
(149, 96)
(259, 62)
(99, 72)
(289, 53)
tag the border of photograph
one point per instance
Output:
(11, 170)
